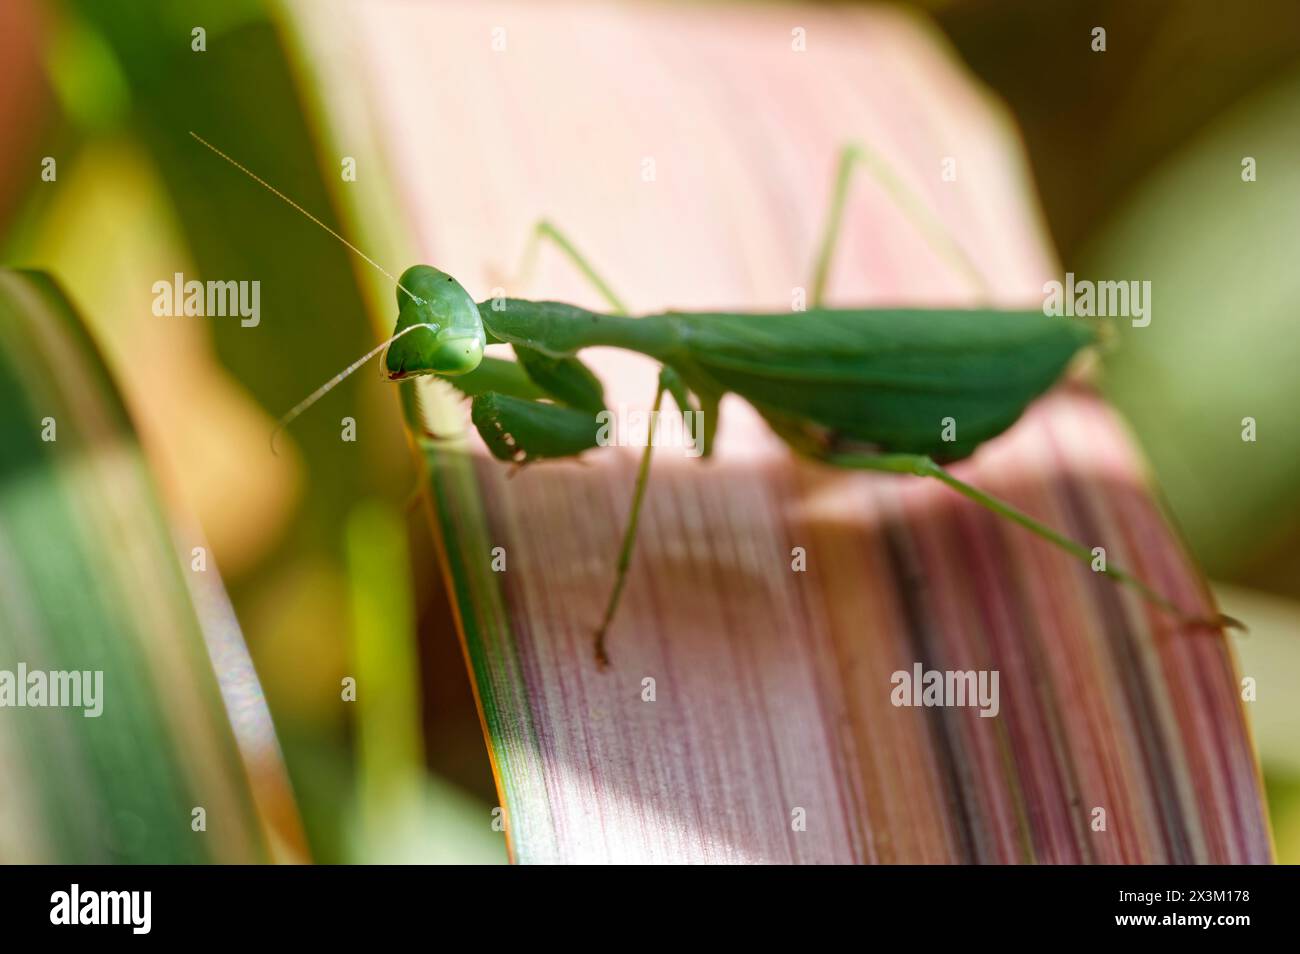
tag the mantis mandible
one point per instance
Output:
(862, 389)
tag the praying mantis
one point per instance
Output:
(860, 389)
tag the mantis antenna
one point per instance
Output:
(280, 195)
(329, 385)
(296, 411)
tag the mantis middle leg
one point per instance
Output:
(913, 206)
(545, 230)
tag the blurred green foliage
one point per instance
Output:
(121, 73)
(72, 476)
(1222, 344)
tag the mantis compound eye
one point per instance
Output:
(456, 354)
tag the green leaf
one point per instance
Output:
(404, 814)
(91, 582)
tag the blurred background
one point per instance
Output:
(1136, 154)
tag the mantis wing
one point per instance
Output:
(884, 378)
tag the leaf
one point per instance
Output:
(771, 734)
(91, 582)
(404, 814)
(207, 392)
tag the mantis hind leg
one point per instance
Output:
(912, 205)
(546, 230)
(922, 466)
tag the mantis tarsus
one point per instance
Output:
(864, 389)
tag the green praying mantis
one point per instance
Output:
(861, 389)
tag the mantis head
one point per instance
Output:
(446, 333)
